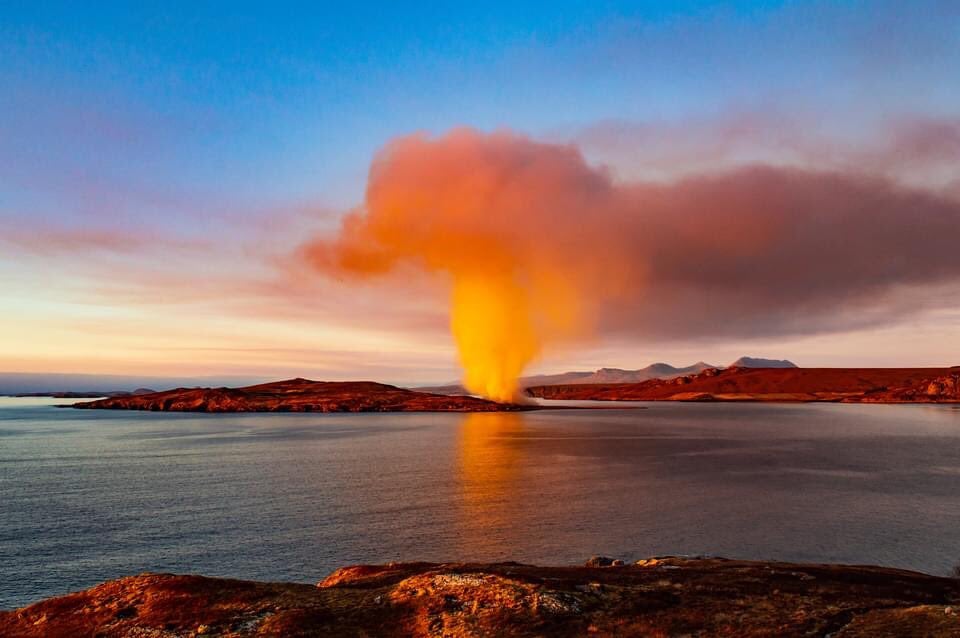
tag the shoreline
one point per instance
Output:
(713, 385)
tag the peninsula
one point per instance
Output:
(850, 385)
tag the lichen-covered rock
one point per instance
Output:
(599, 561)
(946, 387)
(656, 597)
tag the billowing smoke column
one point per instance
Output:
(540, 247)
(496, 213)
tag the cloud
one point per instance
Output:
(52, 241)
(916, 149)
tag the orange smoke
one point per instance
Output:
(538, 248)
(472, 206)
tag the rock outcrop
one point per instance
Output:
(941, 389)
(299, 395)
(654, 597)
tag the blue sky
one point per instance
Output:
(283, 101)
(191, 120)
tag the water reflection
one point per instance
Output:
(491, 468)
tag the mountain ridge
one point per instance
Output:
(658, 370)
(759, 362)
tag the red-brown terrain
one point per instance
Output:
(654, 597)
(299, 395)
(861, 385)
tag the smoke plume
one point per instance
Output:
(539, 247)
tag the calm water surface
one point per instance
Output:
(89, 496)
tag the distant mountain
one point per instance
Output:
(652, 371)
(554, 379)
(756, 362)
(12, 383)
(88, 394)
(603, 375)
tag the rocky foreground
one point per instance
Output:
(850, 385)
(299, 395)
(655, 597)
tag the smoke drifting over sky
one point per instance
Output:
(541, 247)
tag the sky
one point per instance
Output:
(165, 169)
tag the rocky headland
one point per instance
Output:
(653, 597)
(300, 395)
(850, 385)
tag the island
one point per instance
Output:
(82, 394)
(300, 395)
(850, 385)
(652, 597)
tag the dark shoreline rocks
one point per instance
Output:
(655, 597)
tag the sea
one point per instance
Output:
(87, 496)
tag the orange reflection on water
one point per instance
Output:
(491, 468)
